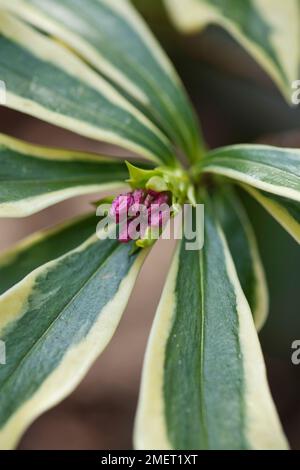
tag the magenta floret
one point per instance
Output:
(127, 207)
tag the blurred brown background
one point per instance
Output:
(236, 103)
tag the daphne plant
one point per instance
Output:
(93, 67)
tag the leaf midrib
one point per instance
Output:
(203, 417)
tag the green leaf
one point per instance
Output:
(42, 247)
(55, 322)
(48, 81)
(242, 244)
(33, 178)
(285, 211)
(267, 29)
(272, 169)
(204, 382)
(113, 38)
(159, 179)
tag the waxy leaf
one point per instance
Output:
(33, 177)
(48, 81)
(285, 211)
(268, 29)
(204, 382)
(43, 246)
(242, 244)
(272, 169)
(113, 38)
(55, 322)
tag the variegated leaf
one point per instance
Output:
(55, 322)
(204, 382)
(242, 244)
(268, 29)
(47, 80)
(43, 246)
(112, 37)
(33, 177)
(285, 211)
(271, 169)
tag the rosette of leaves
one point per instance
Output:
(93, 67)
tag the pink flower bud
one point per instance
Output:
(138, 196)
(134, 204)
(121, 205)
